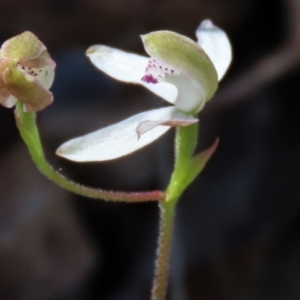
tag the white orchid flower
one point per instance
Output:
(182, 72)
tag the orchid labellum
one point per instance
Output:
(179, 70)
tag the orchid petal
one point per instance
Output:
(128, 67)
(116, 140)
(42, 61)
(191, 93)
(23, 47)
(46, 76)
(9, 102)
(180, 119)
(27, 89)
(6, 99)
(42, 70)
(215, 43)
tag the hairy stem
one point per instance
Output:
(185, 142)
(167, 213)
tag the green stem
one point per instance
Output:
(166, 224)
(186, 139)
(185, 144)
(26, 123)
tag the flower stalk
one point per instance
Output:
(26, 123)
(166, 224)
(187, 167)
(185, 142)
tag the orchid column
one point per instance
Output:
(185, 74)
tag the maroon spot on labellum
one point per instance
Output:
(149, 79)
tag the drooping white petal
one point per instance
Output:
(128, 67)
(116, 140)
(215, 43)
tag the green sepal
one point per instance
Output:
(23, 47)
(198, 163)
(187, 167)
(184, 55)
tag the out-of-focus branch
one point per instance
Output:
(284, 60)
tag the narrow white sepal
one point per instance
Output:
(214, 41)
(128, 67)
(116, 140)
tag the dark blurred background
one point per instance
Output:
(238, 225)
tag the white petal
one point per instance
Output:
(215, 43)
(128, 67)
(191, 93)
(46, 76)
(10, 101)
(116, 140)
(179, 120)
